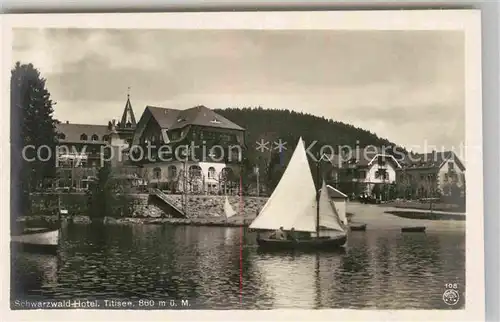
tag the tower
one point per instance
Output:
(127, 121)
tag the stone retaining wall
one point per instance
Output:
(203, 206)
(140, 206)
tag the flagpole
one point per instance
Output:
(258, 174)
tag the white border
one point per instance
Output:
(466, 20)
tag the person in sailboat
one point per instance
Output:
(279, 234)
(292, 235)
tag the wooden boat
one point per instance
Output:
(357, 227)
(39, 240)
(36, 240)
(295, 203)
(321, 243)
(417, 229)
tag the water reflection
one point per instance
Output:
(378, 269)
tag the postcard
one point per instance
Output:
(231, 166)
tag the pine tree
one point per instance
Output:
(101, 194)
(32, 124)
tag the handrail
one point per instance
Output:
(166, 199)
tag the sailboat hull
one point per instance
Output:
(44, 241)
(321, 243)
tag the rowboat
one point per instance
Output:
(37, 240)
(417, 229)
(295, 204)
(357, 227)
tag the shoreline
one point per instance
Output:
(234, 222)
(417, 206)
(427, 215)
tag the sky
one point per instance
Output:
(406, 86)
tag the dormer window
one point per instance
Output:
(215, 121)
(180, 119)
(62, 136)
(95, 137)
(83, 137)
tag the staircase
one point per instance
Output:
(166, 203)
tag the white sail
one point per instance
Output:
(342, 214)
(228, 209)
(292, 203)
(328, 215)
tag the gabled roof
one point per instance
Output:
(72, 132)
(171, 119)
(361, 157)
(433, 159)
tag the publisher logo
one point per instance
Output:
(451, 297)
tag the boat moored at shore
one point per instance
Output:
(37, 240)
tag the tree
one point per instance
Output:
(274, 171)
(102, 194)
(32, 124)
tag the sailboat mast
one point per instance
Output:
(318, 163)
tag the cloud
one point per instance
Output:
(403, 85)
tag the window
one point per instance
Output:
(211, 173)
(215, 121)
(95, 137)
(451, 165)
(172, 172)
(105, 138)
(194, 171)
(62, 136)
(381, 173)
(362, 174)
(446, 177)
(83, 137)
(156, 173)
(225, 174)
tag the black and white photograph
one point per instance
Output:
(245, 163)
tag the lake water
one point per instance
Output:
(382, 269)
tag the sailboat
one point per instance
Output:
(295, 204)
(228, 209)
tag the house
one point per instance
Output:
(194, 150)
(431, 174)
(368, 170)
(83, 147)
